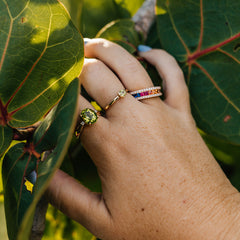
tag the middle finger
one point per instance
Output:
(101, 83)
(129, 70)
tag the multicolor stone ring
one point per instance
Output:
(122, 93)
(147, 93)
(89, 117)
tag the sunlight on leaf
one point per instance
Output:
(29, 186)
(160, 10)
(60, 227)
(42, 53)
(130, 6)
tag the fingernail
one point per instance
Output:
(144, 48)
(32, 177)
(86, 40)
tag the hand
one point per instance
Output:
(159, 180)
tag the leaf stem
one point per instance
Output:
(197, 54)
(3, 114)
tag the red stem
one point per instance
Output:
(3, 114)
(197, 54)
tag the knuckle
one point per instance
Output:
(131, 64)
(101, 43)
(92, 67)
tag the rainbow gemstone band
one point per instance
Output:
(147, 93)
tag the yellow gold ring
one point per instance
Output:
(122, 93)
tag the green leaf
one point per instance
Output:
(74, 7)
(204, 36)
(22, 162)
(130, 7)
(96, 14)
(58, 224)
(6, 134)
(3, 230)
(41, 53)
(16, 166)
(122, 32)
(223, 151)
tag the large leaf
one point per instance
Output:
(41, 53)
(17, 166)
(204, 37)
(22, 162)
(6, 134)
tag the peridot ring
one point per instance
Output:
(89, 117)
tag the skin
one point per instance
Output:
(159, 180)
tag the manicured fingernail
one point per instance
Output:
(86, 40)
(32, 177)
(144, 48)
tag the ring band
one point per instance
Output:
(89, 117)
(147, 93)
(122, 93)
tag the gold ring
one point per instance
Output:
(89, 117)
(122, 93)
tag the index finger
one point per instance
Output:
(131, 73)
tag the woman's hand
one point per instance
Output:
(159, 180)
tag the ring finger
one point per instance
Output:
(101, 83)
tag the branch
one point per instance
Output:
(21, 134)
(39, 220)
(145, 17)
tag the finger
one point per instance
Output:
(95, 140)
(101, 84)
(175, 88)
(79, 203)
(90, 131)
(131, 73)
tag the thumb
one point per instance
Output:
(79, 203)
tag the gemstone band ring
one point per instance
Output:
(122, 93)
(147, 93)
(89, 117)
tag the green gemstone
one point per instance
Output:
(122, 93)
(89, 116)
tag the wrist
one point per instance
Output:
(222, 219)
(229, 215)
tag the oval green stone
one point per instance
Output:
(89, 116)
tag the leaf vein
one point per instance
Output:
(177, 32)
(229, 55)
(35, 63)
(216, 86)
(7, 41)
